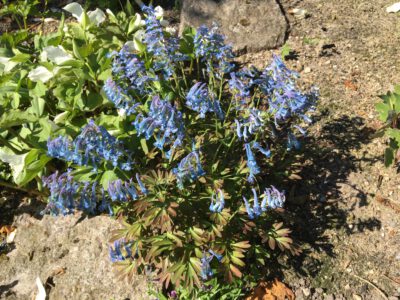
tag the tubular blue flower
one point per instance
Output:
(217, 202)
(119, 97)
(285, 100)
(92, 145)
(120, 250)
(206, 272)
(256, 205)
(88, 198)
(210, 46)
(130, 73)
(264, 151)
(249, 210)
(141, 185)
(165, 119)
(251, 163)
(272, 199)
(122, 191)
(293, 142)
(251, 125)
(63, 191)
(105, 205)
(198, 99)
(189, 168)
(164, 49)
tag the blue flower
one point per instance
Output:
(189, 168)
(63, 192)
(285, 100)
(210, 46)
(251, 163)
(256, 210)
(293, 142)
(120, 250)
(251, 124)
(164, 48)
(122, 191)
(201, 100)
(217, 202)
(119, 97)
(166, 120)
(90, 147)
(272, 199)
(130, 73)
(206, 271)
(265, 151)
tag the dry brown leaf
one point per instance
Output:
(388, 203)
(6, 229)
(274, 290)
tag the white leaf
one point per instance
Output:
(16, 162)
(170, 30)
(40, 74)
(75, 9)
(41, 295)
(394, 8)
(96, 16)
(60, 118)
(138, 20)
(56, 55)
(158, 12)
(8, 65)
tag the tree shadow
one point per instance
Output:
(316, 203)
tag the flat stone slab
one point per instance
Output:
(250, 25)
(70, 256)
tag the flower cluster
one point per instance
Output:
(66, 194)
(272, 199)
(166, 120)
(125, 191)
(90, 147)
(162, 47)
(210, 46)
(120, 250)
(200, 100)
(206, 270)
(189, 168)
(217, 202)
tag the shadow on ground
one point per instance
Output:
(315, 204)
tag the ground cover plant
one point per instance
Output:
(116, 114)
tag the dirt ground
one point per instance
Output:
(344, 208)
(345, 211)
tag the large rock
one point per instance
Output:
(70, 256)
(250, 25)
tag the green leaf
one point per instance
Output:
(144, 146)
(383, 110)
(107, 177)
(15, 118)
(389, 157)
(139, 45)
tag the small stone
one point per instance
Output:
(307, 70)
(328, 62)
(306, 292)
(356, 297)
(329, 297)
(319, 290)
(393, 298)
(299, 295)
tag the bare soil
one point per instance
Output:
(345, 209)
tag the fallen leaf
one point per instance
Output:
(41, 295)
(388, 203)
(394, 8)
(6, 229)
(275, 290)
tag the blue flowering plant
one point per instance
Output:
(185, 153)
